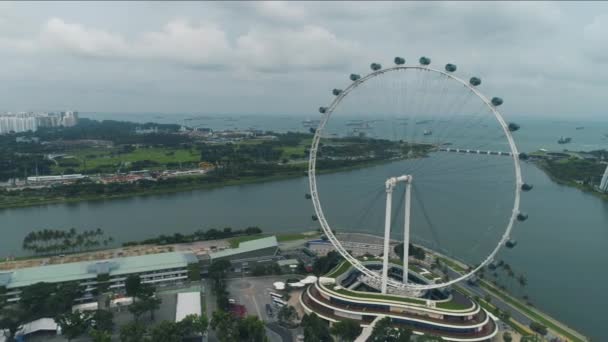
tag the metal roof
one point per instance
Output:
(288, 262)
(90, 269)
(188, 303)
(247, 246)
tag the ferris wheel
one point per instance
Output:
(442, 126)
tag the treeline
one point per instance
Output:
(199, 235)
(588, 171)
(53, 241)
(119, 132)
(416, 252)
(19, 165)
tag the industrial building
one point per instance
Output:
(246, 256)
(157, 269)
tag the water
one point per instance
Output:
(535, 133)
(562, 247)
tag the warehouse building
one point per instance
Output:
(156, 269)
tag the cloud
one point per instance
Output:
(83, 41)
(203, 45)
(311, 47)
(280, 11)
(596, 39)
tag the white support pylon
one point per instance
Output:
(406, 228)
(390, 185)
(387, 232)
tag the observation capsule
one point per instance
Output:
(336, 92)
(475, 81)
(375, 66)
(399, 60)
(315, 218)
(354, 77)
(312, 130)
(307, 196)
(322, 110)
(450, 67)
(496, 101)
(526, 187)
(513, 127)
(523, 156)
(522, 217)
(425, 60)
(511, 244)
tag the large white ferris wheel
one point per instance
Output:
(444, 80)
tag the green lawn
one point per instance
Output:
(110, 158)
(295, 236)
(234, 242)
(344, 266)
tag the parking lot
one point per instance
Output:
(254, 294)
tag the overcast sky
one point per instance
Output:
(274, 57)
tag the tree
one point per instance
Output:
(103, 320)
(539, 328)
(133, 285)
(506, 337)
(137, 309)
(287, 315)
(384, 332)
(11, 318)
(151, 304)
(194, 324)
(166, 331)
(324, 264)
(132, 332)
(416, 252)
(223, 324)
(251, 329)
(34, 299)
(100, 335)
(346, 330)
(315, 329)
(73, 324)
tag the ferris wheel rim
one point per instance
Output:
(319, 209)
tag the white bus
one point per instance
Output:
(275, 295)
(279, 302)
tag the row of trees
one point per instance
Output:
(52, 241)
(199, 235)
(503, 271)
(229, 328)
(326, 263)
(37, 301)
(416, 252)
(165, 331)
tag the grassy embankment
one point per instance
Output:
(571, 171)
(516, 303)
(26, 201)
(532, 313)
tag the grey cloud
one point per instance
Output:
(279, 57)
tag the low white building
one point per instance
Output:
(188, 303)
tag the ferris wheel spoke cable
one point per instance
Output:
(425, 215)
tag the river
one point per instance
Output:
(562, 247)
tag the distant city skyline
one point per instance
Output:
(544, 59)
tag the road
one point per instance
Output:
(496, 301)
